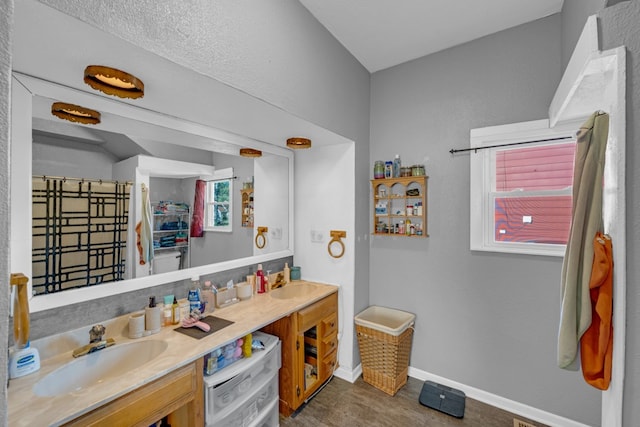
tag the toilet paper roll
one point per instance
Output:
(136, 325)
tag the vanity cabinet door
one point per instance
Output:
(309, 350)
(179, 394)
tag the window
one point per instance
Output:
(521, 193)
(219, 205)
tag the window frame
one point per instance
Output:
(482, 194)
(209, 205)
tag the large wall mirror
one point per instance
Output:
(161, 145)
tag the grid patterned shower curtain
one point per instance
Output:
(79, 233)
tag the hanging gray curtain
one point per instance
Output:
(575, 316)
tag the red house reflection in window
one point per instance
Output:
(532, 197)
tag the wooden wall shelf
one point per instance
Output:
(400, 206)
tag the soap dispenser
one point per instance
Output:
(153, 317)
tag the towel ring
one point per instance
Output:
(261, 239)
(336, 237)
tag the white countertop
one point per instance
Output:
(27, 409)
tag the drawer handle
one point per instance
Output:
(333, 324)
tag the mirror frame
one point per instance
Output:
(24, 88)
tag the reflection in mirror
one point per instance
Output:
(185, 116)
(142, 157)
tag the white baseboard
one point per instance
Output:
(509, 405)
(348, 375)
(499, 401)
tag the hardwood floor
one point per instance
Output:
(342, 404)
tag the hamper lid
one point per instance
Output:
(388, 320)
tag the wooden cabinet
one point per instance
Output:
(309, 351)
(400, 206)
(179, 396)
(246, 195)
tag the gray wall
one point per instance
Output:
(574, 16)
(486, 320)
(620, 27)
(6, 26)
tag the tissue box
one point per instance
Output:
(442, 398)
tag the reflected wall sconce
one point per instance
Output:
(113, 81)
(261, 238)
(298, 142)
(250, 152)
(75, 113)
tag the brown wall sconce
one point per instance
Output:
(250, 152)
(261, 238)
(75, 113)
(113, 81)
(298, 142)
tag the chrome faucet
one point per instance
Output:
(96, 342)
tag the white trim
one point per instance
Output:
(587, 44)
(498, 401)
(593, 81)
(614, 217)
(509, 405)
(347, 375)
(481, 226)
(38, 87)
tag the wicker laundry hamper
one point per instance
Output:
(384, 337)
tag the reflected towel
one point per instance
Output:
(143, 230)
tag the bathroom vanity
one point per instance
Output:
(309, 350)
(172, 382)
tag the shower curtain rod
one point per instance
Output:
(66, 178)
(475, 149)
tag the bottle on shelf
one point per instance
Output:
(397, 165)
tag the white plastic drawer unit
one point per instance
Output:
(243, 393)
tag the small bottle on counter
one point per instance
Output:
(260, 280)
(194, 296)
(152, 316)
(167, 311)
(175, 311)
(287, 272)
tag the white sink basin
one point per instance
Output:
(97, 367)
(292, 291)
